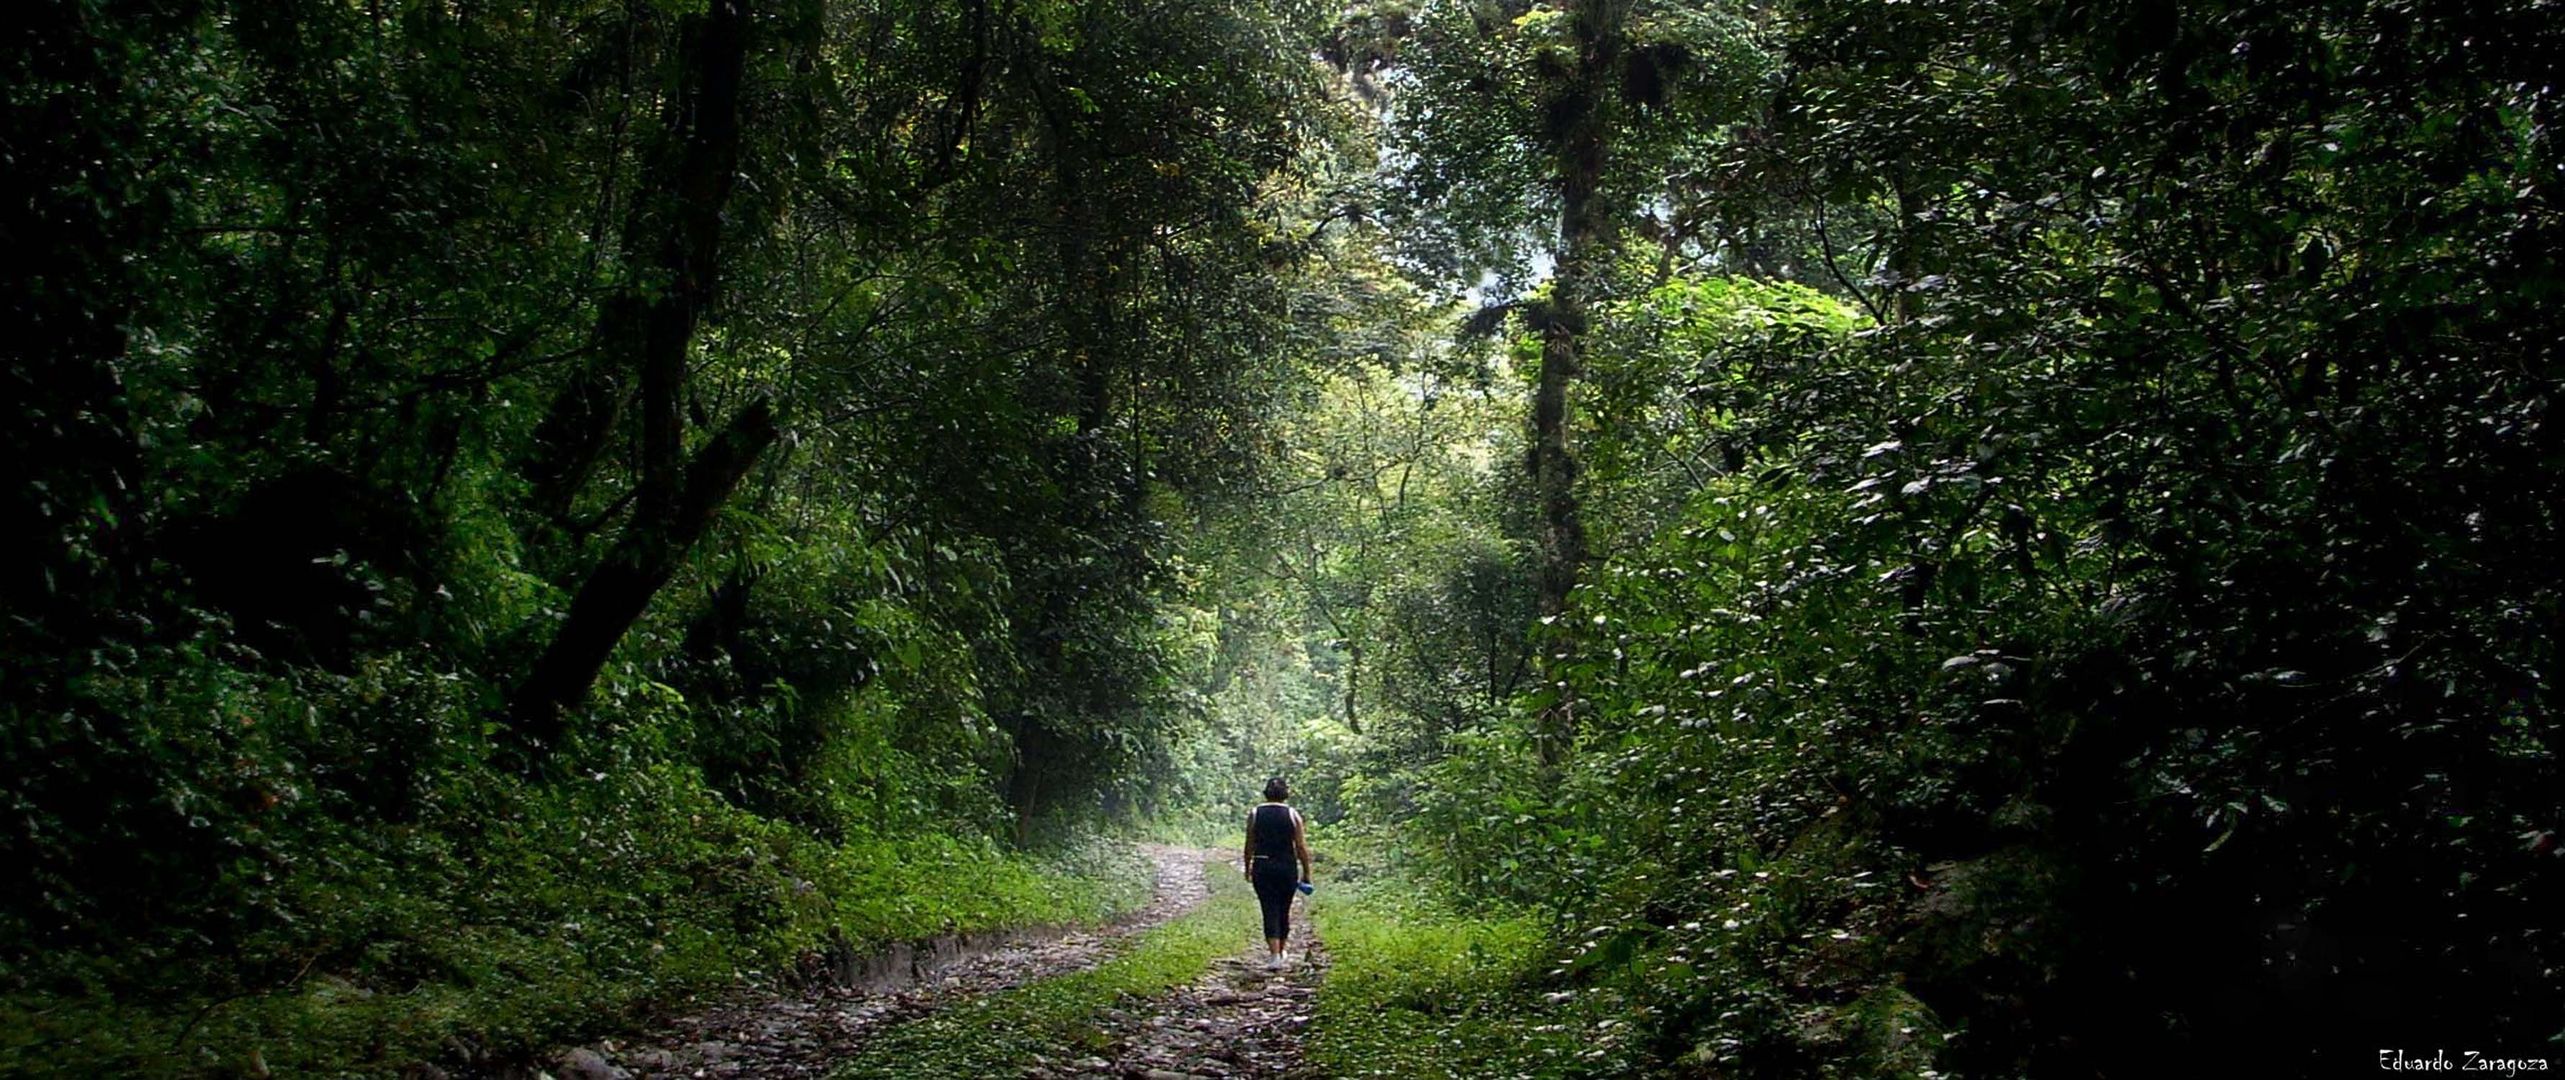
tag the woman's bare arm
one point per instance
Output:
(1300, 842)
(1247, 853)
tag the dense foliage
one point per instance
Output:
(2066, 486)
(1822, 537)
(532, 508)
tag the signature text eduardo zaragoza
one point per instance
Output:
(2466, 1061)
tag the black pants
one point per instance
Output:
(1276, 881)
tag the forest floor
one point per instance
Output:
(1174, 991)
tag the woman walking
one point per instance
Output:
(1276, 838)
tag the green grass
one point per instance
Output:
(1055, 1018)
(579, 910)
(1418, 991)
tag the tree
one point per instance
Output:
(678, 225)
(1548, 133)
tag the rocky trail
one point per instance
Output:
(1239, 1020)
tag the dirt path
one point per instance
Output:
(803, 1036)
(1238, 1020)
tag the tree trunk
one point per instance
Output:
(621, 587)
(679, 236)
(1579, 121)
(1353, 682)
(1023, 790)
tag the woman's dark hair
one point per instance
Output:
(1276, 790)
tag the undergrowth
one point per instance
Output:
(1419, 988)
(480, 918)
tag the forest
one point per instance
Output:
(1768, 538)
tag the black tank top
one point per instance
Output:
(1270, 829)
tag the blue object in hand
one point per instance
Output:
(1307, 888)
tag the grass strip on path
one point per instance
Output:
(1054, 1019)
